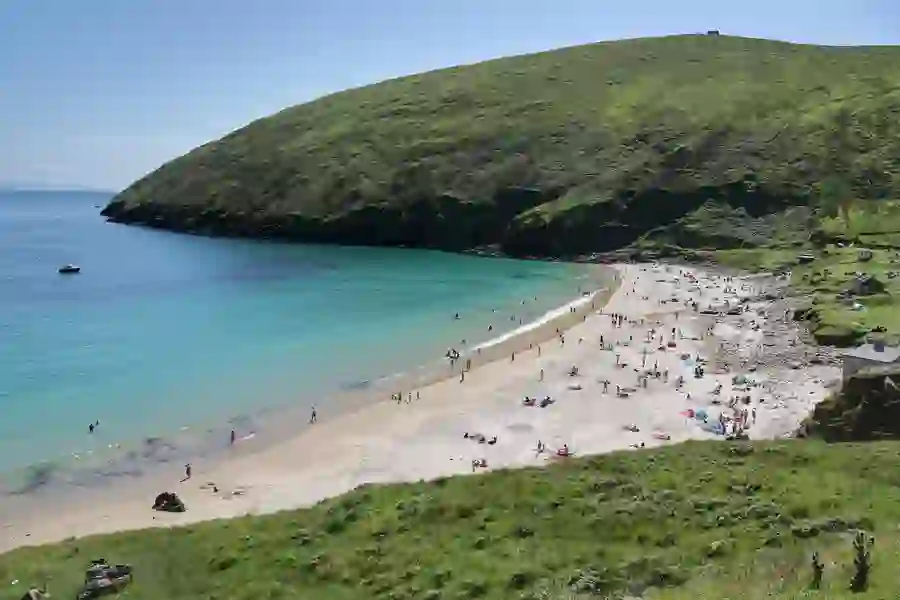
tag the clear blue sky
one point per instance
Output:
(96, 93)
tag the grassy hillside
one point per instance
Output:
(684, 141)
(707, 520)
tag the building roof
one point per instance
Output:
(876, 353)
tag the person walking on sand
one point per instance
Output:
(233, 437)
(542, 375)
(312, 416)
(187, 471)
(91, 428)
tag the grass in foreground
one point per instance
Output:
(710, 520)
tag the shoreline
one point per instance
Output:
(446, 428)
(284, 421)
(257, 426)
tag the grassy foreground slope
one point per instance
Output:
(706, 520)
(685, 141)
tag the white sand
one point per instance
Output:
(424, 439)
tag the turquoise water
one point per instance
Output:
(162, 331)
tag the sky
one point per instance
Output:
(96, 93)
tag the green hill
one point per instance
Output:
(696, 520)
(685, 141)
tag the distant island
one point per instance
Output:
(656, 144)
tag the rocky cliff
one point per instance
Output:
(867, 408)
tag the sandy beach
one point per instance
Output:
(674, 354)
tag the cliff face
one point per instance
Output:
(507, 223)
(689, 141)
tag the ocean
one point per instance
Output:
(171, 340)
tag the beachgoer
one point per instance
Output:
(187, 471)
(91, 428)
(542, 375)
(233, 437)
(312, 416)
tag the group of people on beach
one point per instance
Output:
(652, 340)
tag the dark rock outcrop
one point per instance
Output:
(866, 409)
(168, 502)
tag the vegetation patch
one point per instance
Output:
(690, 141)
(700, 519)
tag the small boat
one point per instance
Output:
(65, 269)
